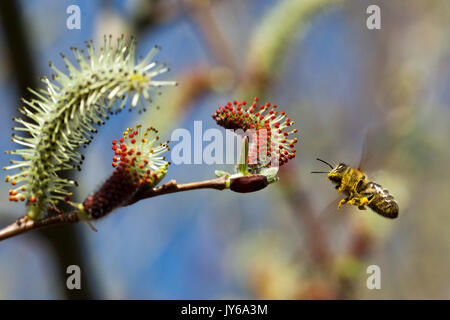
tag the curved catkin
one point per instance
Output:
(63, 116)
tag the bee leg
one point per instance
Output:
(342, 202)
(364, 201)
(354, 202)
(360, 202)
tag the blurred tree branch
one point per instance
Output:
(18, 48)
(150, 13)
(200, 13)
(274, 35)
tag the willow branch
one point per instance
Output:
(25, 224)
(172, 187)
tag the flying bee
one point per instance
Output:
(360, 191)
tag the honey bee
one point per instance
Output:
(360, 191)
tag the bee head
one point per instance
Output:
(336, 173)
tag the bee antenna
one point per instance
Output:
(319, 171)
(325, 162)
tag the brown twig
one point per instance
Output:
(25, 224)
(172, 187)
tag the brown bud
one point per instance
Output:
(249, 183)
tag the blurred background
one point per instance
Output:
(334, 77)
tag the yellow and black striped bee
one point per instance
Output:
(360, 191)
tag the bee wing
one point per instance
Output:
(367, 149)
(364, 153)
(373, 145)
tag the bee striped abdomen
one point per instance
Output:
(382, 203)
